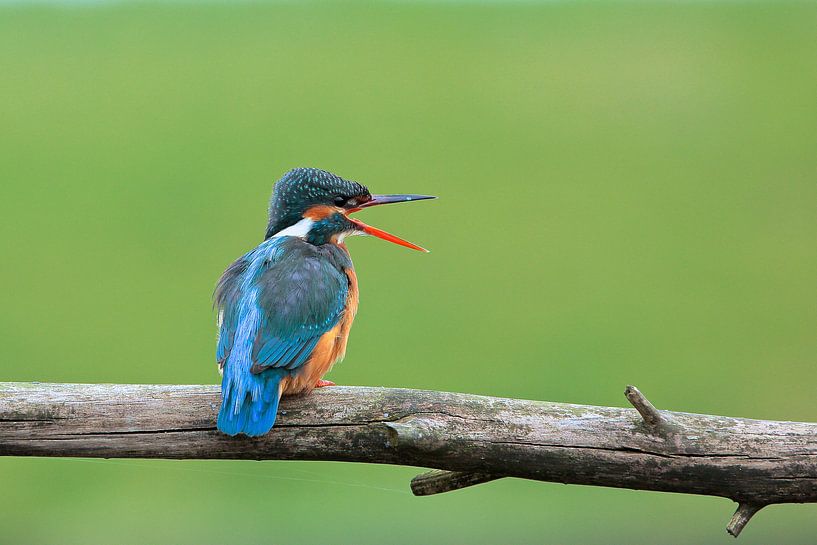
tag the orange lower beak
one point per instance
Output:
(379, 233)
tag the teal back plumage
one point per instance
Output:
(274, 303)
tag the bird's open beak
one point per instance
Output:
(387, 199)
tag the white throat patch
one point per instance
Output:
(300, 229)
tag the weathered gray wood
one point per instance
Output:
(439, 481)
(753, 462)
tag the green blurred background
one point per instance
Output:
(627, 196)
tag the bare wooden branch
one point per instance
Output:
(437, 481)
(646, 409)
(740, 519)
(753, 462)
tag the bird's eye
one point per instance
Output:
(340, 201)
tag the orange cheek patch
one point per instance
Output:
(321, 211)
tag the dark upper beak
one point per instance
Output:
(389, 199)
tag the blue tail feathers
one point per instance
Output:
(249, 402)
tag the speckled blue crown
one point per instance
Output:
(302, 188)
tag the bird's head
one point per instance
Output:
(315, 205)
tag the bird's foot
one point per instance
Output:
(324, 383)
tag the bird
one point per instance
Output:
(285, 308)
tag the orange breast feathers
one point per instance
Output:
(330, 348)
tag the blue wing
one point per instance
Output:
(274, 305)
(302, 295)
(299, 293)
(227, 297)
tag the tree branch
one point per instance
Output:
(740, 519)
(437, 481)
(753, 462)
(652, 418)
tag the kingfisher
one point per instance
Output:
(286, 307)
